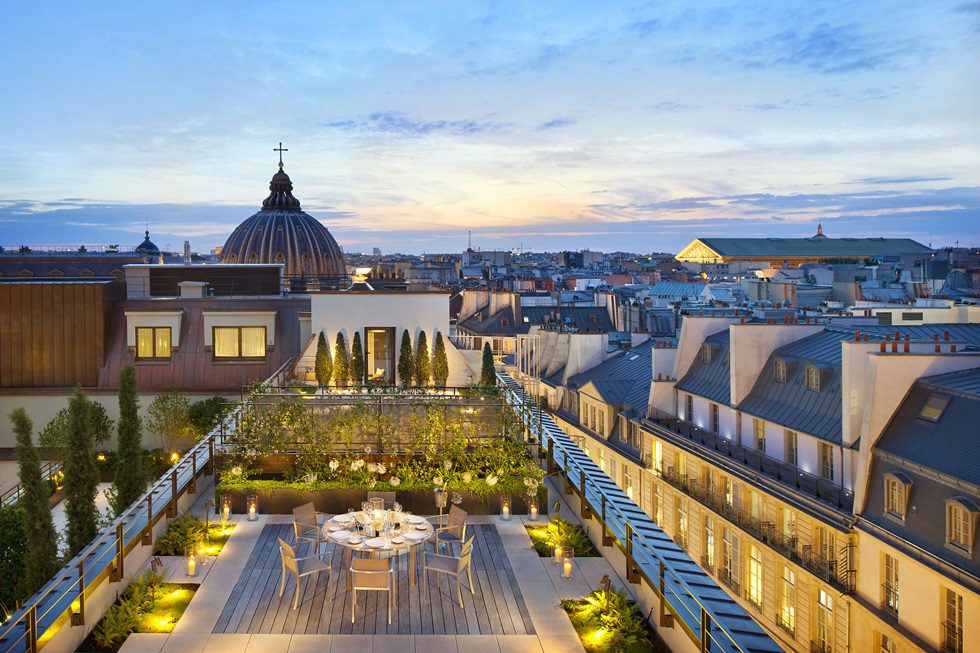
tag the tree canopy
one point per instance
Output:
(323, 367)
(406, 360)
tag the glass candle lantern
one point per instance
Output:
(567, 562)
(252, 504)
(441, 497)
(190, 560)
(532, 509)
(505, 507)
(225, 509)
(557, 559)
(203, 557)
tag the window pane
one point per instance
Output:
(226, 342)
(144, 343)
(162, 338)
(253, 342)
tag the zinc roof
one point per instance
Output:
(711, 380)
(779, 248)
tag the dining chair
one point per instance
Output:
(453, 532)
(308, 525)
(299, 567)
(452, 565)
(372, 574)
(389, 498)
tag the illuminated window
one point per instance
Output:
(715, 418)
(602, 421)
(658, 503)
(239, 342)
(884, 643)
(897, 487)
(825, 622)
(952, 626)
(689, 415)
(934, 408)
(729, 557)
(708, 559)
(787, 600)
(779, 371)
(627, 481)
(889, 589)
(961, 522)
(759, 429)
(152, 342)
(680, 535)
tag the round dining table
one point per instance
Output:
(410, 533)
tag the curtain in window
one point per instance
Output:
(253, 342)
(226, 342)
(144, 343)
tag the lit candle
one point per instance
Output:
(191, 567)
(567, 569)
(534, 512)
(251, 513)
(505, 512)
(557, 554)
(225, 513)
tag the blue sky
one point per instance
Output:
(572, 125)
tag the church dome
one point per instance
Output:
(147, 248)
(283, 233)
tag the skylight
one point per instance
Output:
(934, 408)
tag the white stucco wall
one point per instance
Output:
(751, 346)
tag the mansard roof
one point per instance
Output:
(711, 380)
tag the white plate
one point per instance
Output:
(422, 527)
(415, 519)
(345, 518)
(415, 535)
(334, 529)
(397, 540)
(341, 536)
(376, 542)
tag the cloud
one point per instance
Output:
(400, 124)
(555, 124)
(898, 180)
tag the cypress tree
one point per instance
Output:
(440, 363)
(324, 366)
(356, 360)
(488, 375)
(341, 360)
(406, 363)
(41, 559)
(130, 480)
(422, 361)
(81, 475)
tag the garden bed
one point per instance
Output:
(147, 606)
(282, 500)
(609, 622)
(559, 532)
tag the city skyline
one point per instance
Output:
(548, 127)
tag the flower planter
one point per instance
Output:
(281, 501)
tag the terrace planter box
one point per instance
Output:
(281, 501)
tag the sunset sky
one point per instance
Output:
(571, 125)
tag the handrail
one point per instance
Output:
(48, 470)
(650, 554)
(102, 560)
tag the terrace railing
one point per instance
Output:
(61, 602)
(49, 470)
(652, 557)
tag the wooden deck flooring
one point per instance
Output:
(497, 607)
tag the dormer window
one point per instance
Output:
(961, 524)
(504, 321)
(898, 485)
(706, 354)
(779, 371)
(813, 378)
(934, 408)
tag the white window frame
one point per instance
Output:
(898, 486)
(961, 524)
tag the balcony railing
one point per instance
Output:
(783, 472)
(889, 598)
(707, 564)
(755, 602)
(676, 479)
(817, 564)
(728, 578)
(788, 627)
(821, 647)
(785, 544)
(952, 638)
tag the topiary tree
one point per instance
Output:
(81, 475)
(341, 360)
(488, 374)
(440, 363)
(323, 366)
(41, 559)
(13, 551)
(130, 479)
(406, 362)
(54, 437)
(356, 371)
(168, 418)
(422, 360)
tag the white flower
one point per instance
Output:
(491, 480)
(236, 471)
(437, 480)
(310, 479)
(467, 477)
(500, 472)
(372, 483)
(334, 464)
(381, 468)
(394, 481)
(372, 468)
(447, 465)
(356, 465)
